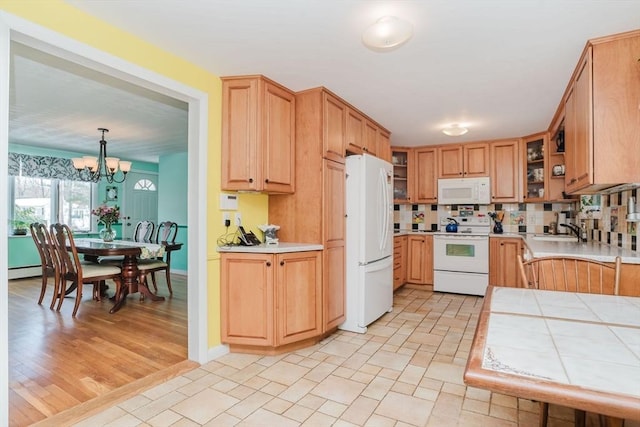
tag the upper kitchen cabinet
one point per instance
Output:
(383, 149)
(401, 159)
(365, 136)
(535, 171)
(424, 173)
(258, 135)
(601, 126)
(355, 132)
(464, 161)
(506, 170)
(334, 123)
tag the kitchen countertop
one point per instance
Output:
(592, 249)
(541, 248)
(280, 248)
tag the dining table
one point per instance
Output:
(576, 350)
(131, 251)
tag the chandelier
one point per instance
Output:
(102, 166)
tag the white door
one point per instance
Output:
(140, 201)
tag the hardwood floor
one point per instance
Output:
(57, 362)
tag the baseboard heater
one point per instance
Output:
(24, 272)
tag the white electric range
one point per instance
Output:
(461, 259)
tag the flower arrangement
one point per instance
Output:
(107, 214)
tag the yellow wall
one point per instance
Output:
(65, 19)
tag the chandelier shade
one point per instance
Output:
(92, 168)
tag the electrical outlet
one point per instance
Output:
(226, 216)
(238, 219)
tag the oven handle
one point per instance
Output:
(460, 236)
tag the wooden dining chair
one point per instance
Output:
(144, 231)
(569, 274)
(77, 272)
(166, 233)
(48, 259)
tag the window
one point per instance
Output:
(145, 185)
(52, 200)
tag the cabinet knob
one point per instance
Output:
(281, 262)
(250, 179)
(268, 263)
(266, 180)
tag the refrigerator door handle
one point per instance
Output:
(384, 233)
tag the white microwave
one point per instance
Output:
(464, 191)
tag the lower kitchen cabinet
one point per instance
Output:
(270, 302)
(503, 261)
(399, 261)
(420, 260)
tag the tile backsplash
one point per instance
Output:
(608, 225)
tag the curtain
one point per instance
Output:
(42, 167)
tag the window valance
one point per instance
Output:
(42, 167)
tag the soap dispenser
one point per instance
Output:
(583, 231)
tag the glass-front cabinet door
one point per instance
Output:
(535, 173)
(401, 182)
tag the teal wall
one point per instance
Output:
(172, 203)
(22, 252)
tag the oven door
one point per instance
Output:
(458, 252)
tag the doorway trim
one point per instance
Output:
(13, 28)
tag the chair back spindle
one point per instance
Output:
(144, 231)
(167, 231)
(571, 274)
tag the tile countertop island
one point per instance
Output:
(280, 248)
(576, 350)
(592, 250)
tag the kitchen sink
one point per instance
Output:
(555, 237)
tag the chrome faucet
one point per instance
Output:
(575, 230)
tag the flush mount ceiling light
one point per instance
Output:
(455, 130)
(95, 168)
(388, 33)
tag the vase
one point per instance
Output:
(497, 227)
(107, 234)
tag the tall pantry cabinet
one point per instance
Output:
(316, 212)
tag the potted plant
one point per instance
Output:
(23, 217)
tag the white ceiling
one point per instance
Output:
(59, 105)
(499, 66)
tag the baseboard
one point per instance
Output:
(24, 272)
(218, 351)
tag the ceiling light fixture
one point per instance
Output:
(101, 166)
(455, 130)
(388, 33)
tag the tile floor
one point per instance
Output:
(405, 371)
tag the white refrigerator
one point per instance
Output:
(369, 245)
